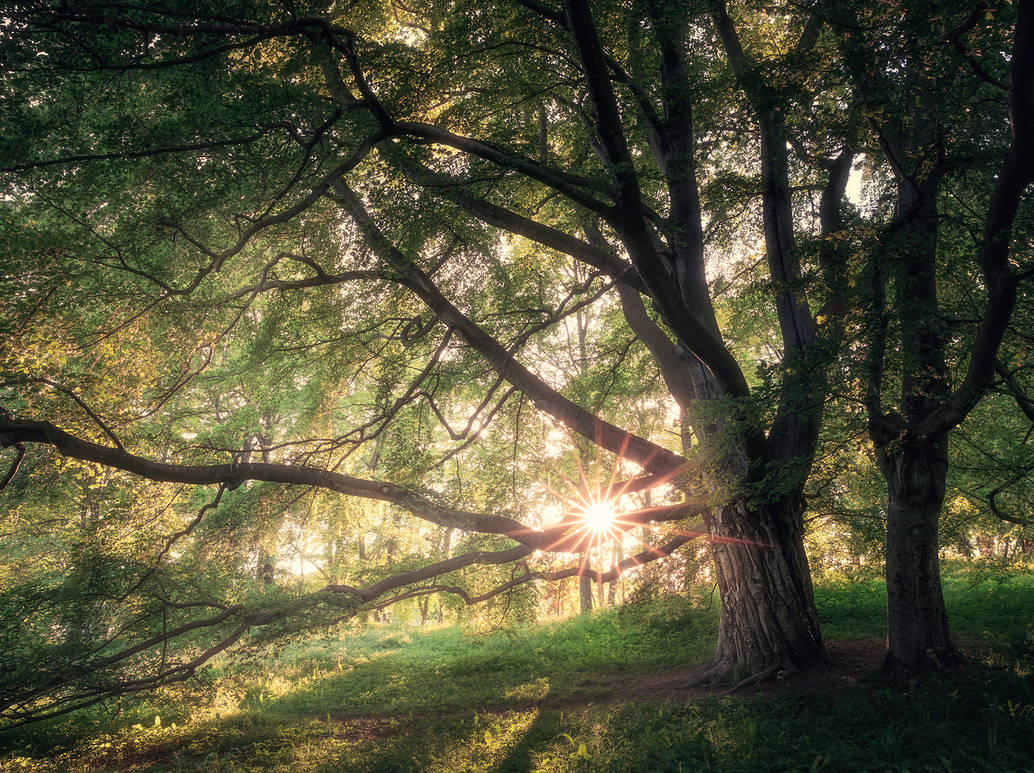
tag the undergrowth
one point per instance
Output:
(391, 698)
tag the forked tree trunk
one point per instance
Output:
(917, 623)
(768, 617)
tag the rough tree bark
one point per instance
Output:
(915, 468)
(917, 622)
(768, 618)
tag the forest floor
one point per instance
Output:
(848, 663)
(595, 692)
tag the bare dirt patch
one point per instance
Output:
(848, 661)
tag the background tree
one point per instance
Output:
(946, 138)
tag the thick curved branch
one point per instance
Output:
(639, 450)
(795, 320)
(673, 368)
(627, 215)
(78, 401)
(645, 557)
(321, 279)
(874, 297)
(805, 385)
(997, 510)
(14, 431)
(571, 186)
(518, 224)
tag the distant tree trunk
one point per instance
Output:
(330, 559)
(618, 581)
(266, 571)
(556, 598)
(393, 543)
(585, 593)
(613, 584)
(917, 623)
(339, 558)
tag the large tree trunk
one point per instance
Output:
(768, 617)
(917, 623)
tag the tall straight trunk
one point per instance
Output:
(915, 467)
(615, 560)
(917, 622)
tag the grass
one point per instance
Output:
(395, 699)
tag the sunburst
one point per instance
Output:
(598, 510)
(599, 515)
(594, 513)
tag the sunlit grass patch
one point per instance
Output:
(485, 743)
(535, 690)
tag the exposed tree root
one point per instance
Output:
(708, 675)
(723, 672)
(763, 676)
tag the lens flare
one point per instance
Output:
(599, 515)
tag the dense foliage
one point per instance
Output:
(329, 311)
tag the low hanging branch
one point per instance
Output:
(644, 557)
(15, 432)
(82, 683)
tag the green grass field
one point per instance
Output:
(545, 698)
